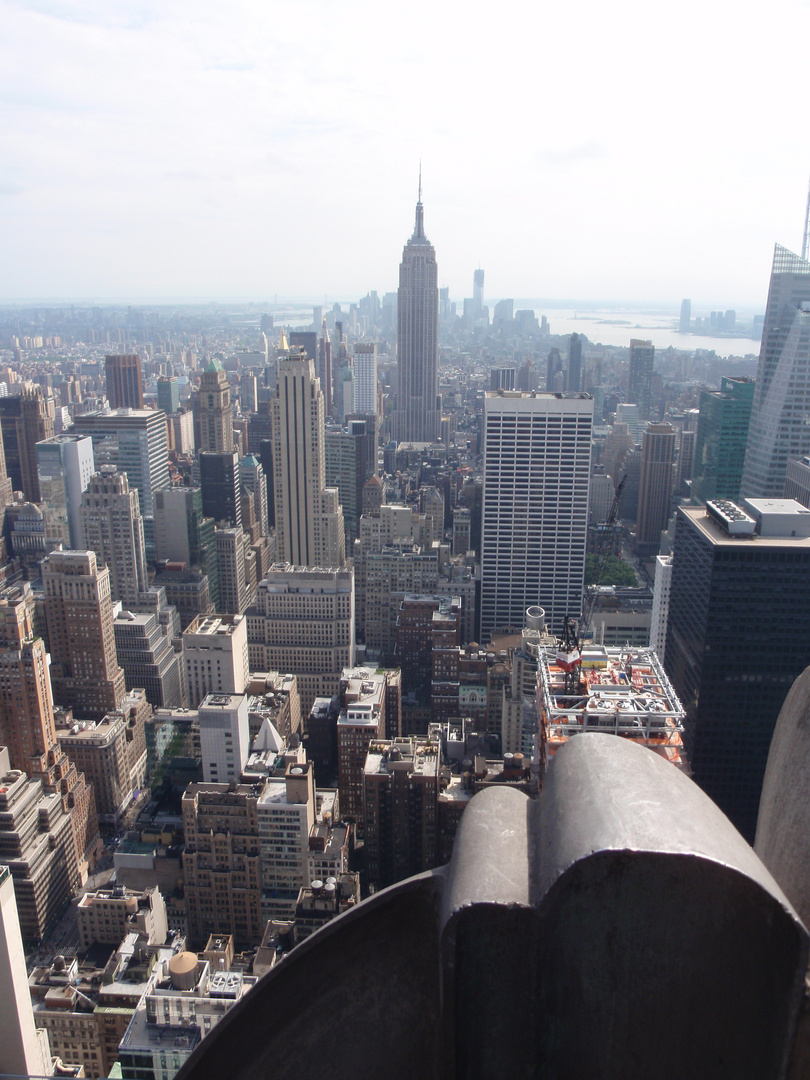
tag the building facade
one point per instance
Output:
(124, 381)
(418, 412)
(309, 522)
(84, 668)
(655, 485)
(537, 463)
(112, 527)
(722, 437)
(738, 636)
(778, 430)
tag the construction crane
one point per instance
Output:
(569, 655)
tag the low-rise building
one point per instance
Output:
(106, 916)
(184, 1000)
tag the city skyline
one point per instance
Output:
(138, 133)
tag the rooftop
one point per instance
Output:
(220, 625)
(773, 527)
(621, 691)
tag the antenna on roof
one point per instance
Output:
(806, 237)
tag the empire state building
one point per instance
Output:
(418, 413)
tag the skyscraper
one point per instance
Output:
(64, 466)
(112, 527)
(639, 383)
(779, 417)
(309, 522)
(184, 534)
(537, 463)
(722, 435)
(168, 394)
(655, 485)
(136, 441)
(418, 412)
(478, 293)
(84, 669)
(219, 482)
(685, 321)
(574, 381)
(365, 379)
(124, 381)
(738, 635)
(216, 411)
(25, 1047)
(25, 419)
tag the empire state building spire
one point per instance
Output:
(417, 416)
(419, 227)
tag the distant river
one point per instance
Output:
(612, 327)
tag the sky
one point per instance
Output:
(625, 152)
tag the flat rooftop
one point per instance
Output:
(220, 625)
(416, 756)
(717, 536)
(622, 691)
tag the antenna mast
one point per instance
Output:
(806, 238)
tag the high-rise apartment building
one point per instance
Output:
(655, 485)
(309, 522)
(418, 412)
(722, 436)
(84, 669)
(779, 428)
(112, 527)
(64, 466)
(124, 381)
(136, 441)
(738, 636)
(365, 378)
(537, 463)
(639, 382)
(216, 411)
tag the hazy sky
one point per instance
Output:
(623, 151)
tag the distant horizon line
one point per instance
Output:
(559, 303)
